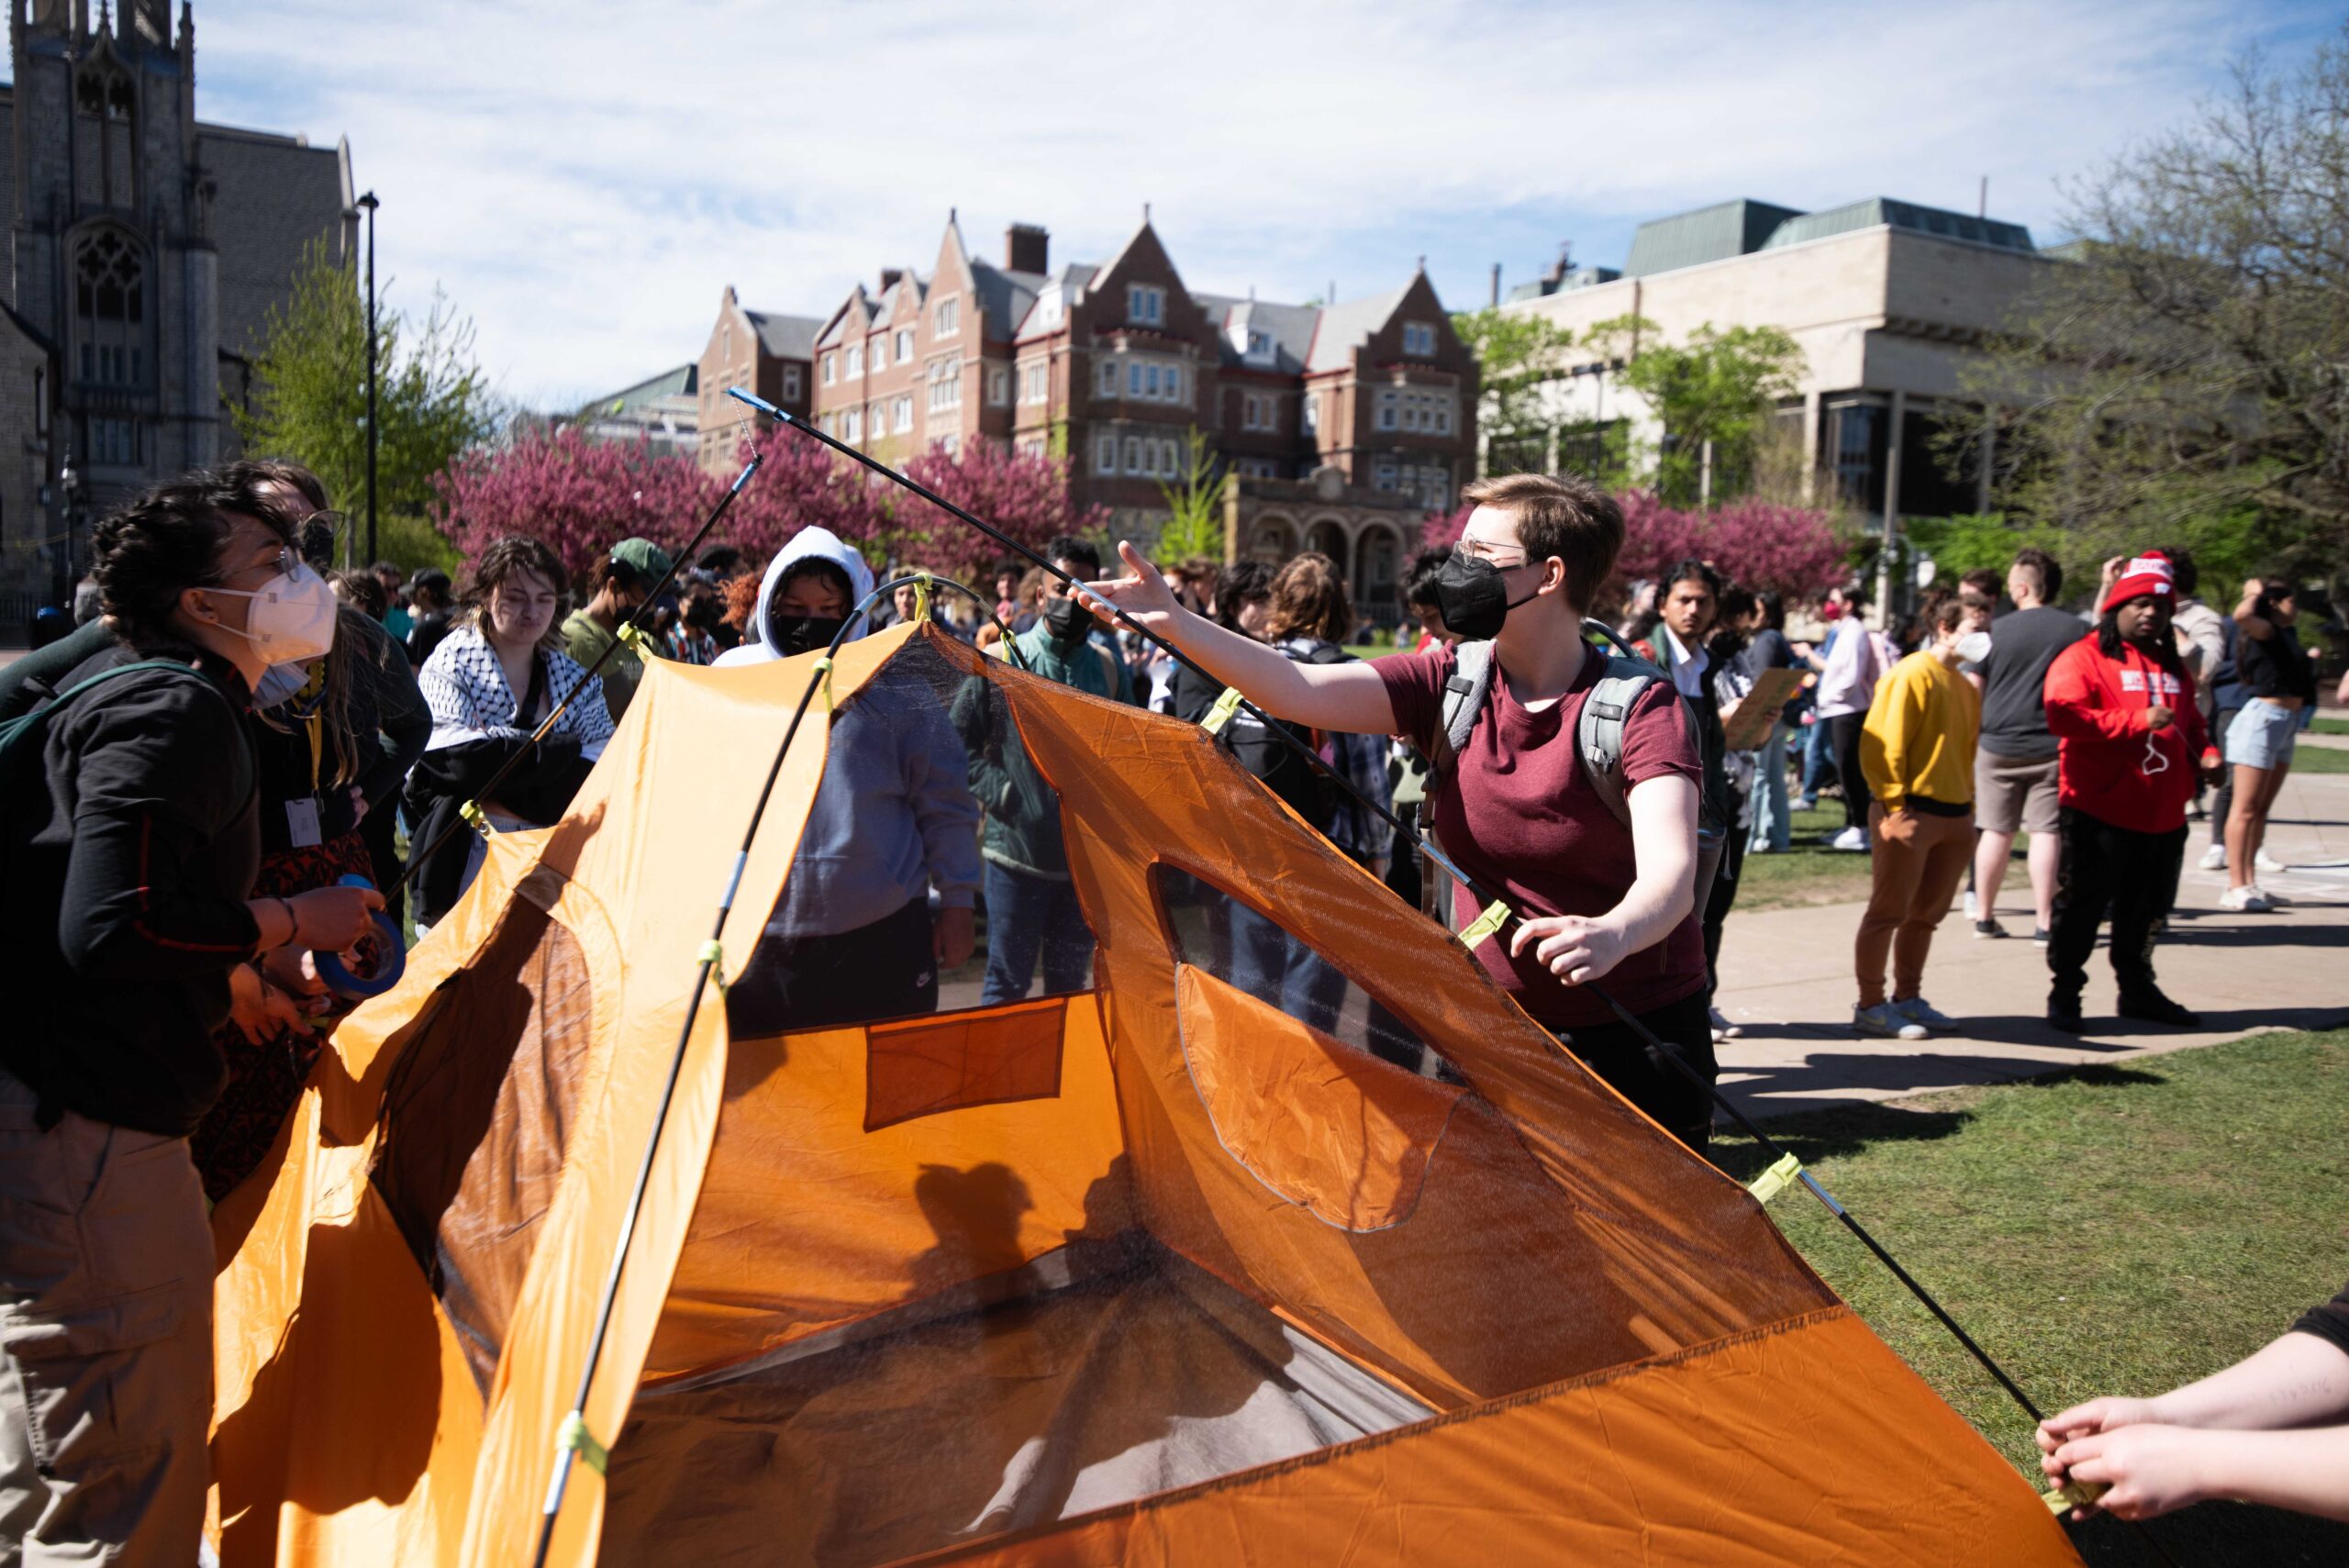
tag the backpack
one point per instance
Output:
(21, 736)
(1599, 743)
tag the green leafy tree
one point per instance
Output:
(311, 399)
(1517, 354)
(1195, 506)
(1716, 395)
(2183, 374)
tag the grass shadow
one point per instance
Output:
(2213, 1532)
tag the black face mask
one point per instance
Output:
(1069, 623)
(1472, 595)
(803, 634)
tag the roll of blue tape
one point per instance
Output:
(356, 988)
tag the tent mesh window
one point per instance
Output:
(923, 738)
(478, 1112)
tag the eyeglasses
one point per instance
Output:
(1477, 549)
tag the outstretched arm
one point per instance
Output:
(1349, 697)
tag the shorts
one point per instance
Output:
(2261, 735)
(2015, 792)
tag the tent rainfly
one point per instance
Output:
(1210, 1263)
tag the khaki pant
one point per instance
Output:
(1919, 860)
(105, 1343)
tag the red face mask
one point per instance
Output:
(1832, 611)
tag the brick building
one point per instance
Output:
(146, 249)
(760, 351)
(1340, 428)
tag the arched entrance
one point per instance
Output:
(1327, 535)
(1379, 570)
(1272, 539)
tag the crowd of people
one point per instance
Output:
(235, 745)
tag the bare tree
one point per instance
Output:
(2184, 373)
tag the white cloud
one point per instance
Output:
(584, 177)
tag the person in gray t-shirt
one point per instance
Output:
(2014, 766)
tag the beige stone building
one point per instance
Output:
(146, 249)
(1885, 300)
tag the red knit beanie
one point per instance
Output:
(2148, 573)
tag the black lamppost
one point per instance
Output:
(368, 205)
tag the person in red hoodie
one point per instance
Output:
(2121, 704)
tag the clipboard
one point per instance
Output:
(1758, 711)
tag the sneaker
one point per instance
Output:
(2244, 901)
(1986, 929)
(1916, 1009)
(2064, 1013)
(1725, 1027)
(2040, 935)
(2263, 860)
(2215, 858)
(1853, 838)
(1973, 908)
(1808, 802)
(2153, 1008)
(1885, 1019)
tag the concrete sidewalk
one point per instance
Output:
(1786, 977)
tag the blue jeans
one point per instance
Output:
(1278, 969)
(1027, 915)
(1773, 821)
(1818, 757)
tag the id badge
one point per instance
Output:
(302, 822)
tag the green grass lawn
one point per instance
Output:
(1810, 872)
(2332, 724)
(2320, 760)
(2115, 1230)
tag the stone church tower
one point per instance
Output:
(145, 249)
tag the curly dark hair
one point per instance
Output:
(163, 543)
(505, 557)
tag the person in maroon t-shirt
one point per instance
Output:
(1607, 901)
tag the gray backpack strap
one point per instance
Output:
(1599, 729)
(1464, 705)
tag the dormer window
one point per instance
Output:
(1418, 338)
(1260, 346)
(948, 319)
(904, 344)
(1145, 307)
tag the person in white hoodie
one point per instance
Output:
(854, 936)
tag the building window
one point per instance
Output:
(1133, 381)
(1386, 411)
(853, 425)
(948, 320)
(902, 412)
(855, 359)
(881, 351)
(1260, 346)
(1170, 460)
(948, 443)
(1310, 412)
(946, 384)
(1133, 454)
(1108, 378)
(790, 381)
(1381, 475)
(1443, 416)
(998, 386)
(113, 443)
(1036, 384)
(1105, 455)
(1418, 338)
(1250, 417)
(904, 344)
(1174, 384)
(1145, 306)
(110, 308)
(829, 368)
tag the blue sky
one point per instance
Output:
(582, 178)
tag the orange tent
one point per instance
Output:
(1157, 1273)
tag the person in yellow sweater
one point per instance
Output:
(1917, 751)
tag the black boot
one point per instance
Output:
(2064, 1012)
(2153, 1008)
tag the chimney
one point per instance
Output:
(1027, 247)
(889, 276)
(1496, 283)
(1555, 277)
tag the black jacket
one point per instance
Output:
(123, 909)
(387, 712)
(34, 677)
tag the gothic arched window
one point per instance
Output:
(110, 308)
